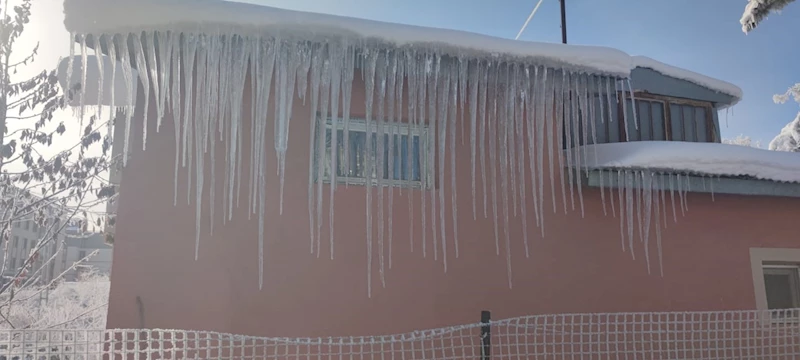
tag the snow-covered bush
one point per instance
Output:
(69, 305)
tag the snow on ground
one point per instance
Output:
(698, 158)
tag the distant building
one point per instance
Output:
(81, 246)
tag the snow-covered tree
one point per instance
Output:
(49, 176)
(758, 10)
(742, 140)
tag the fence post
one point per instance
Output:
(486, 335)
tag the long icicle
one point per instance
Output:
(370, 61)
(455, 78)
(474, 74)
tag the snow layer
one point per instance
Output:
(690, 76)
(101, 16)
(104, 16)
(698, 158)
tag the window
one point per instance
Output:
(13, 263)
(782, 286)
(16, 241)
(27, 224)
(81, 254)
(24, 244)
(659, 118)
(776, 279)
(409, 165)
(667, 118)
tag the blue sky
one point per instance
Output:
(699, 35)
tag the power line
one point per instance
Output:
(529, 20)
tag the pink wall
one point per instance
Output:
(577, 267)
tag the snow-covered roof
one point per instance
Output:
(696, 158)
(710, 83)
(104, 16)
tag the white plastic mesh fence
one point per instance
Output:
(687, 335)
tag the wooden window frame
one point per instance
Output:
(667, 101)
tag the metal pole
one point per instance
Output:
(563, 21)
(486, 334)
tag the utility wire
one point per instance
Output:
(529, 20)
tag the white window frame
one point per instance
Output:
(765, 258)
(360, 125)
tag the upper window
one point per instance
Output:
(659, 118)
(666, 118)
(405, 145)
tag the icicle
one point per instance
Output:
(176, 104)
(322, 138)
(453, 190)
(552, 144)
(112, 55)
(370, 62)
(660, 209)
(621, 188)
(412, 72)
(520, 98)
(602, 192)
(98, 54)
(540, 122)
(474, 74)
(433, 81)
(141, 64)
(463, 75)
(441, 143)
(152, 65)
(647, 183)
(711, 186)
(624, 102)
(569, 121)
(127, 73)
(287, 70)
(576, 127)
(188, 51)
(561, 93)
(672, 197)
(680, 195)
(638, 184)
(316, 131)
(633, 101)
(347, 94)
(382, 74)
(164, 42)
(337, 54)
(510, 117)
(629, 189)
(392, 98)
(423, 70)
(200, 132)
(71, 65)
(532, 95)
(399, 82)
(611, 192)
(493, 154)
(84, 66)
(504, 121)
(483, 78)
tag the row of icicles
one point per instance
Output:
(507, 102)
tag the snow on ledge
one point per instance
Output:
(698, 158)
(101, 16)
(690, 76)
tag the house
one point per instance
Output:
(523, 178)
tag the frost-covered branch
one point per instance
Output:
(742, 140)
(758, 10)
